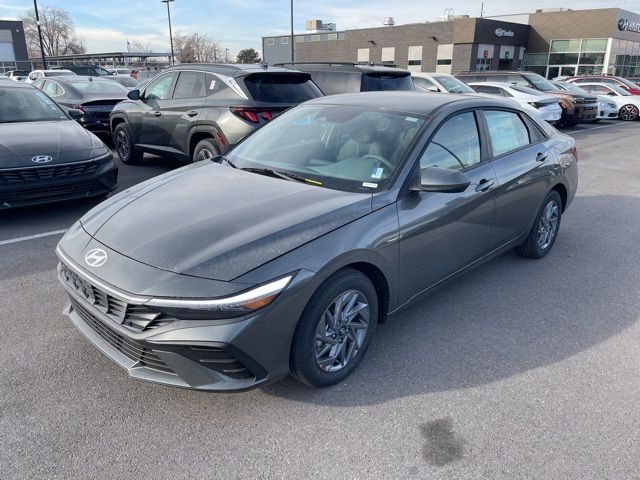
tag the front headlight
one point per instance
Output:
(611, 105)
(220, 308)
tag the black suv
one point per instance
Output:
(197, 111)
(343, 77)
(87, 70)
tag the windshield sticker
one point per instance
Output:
(369, 185)
(410, 119)
(377, 173)
(212, 85)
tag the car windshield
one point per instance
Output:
(628, 83)
(376, 82)
(540, 83)
(27, 105)
(287, 88)
(99, 87)
(453, 85)
(570, 87)
(527, 90)
(619, 90)
(341, 147)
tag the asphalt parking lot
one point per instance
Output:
(523, 369)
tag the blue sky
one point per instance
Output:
(105, 25)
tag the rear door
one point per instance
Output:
(157, 96)
(522, 157)
(444, 232)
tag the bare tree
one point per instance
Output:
(58, 33)
(196, 48)
(139, 47)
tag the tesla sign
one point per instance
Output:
(626, 25)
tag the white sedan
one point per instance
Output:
(628, 104)
(546, 106)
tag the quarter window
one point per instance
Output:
(160, 88)
(506, 131)
(456, 145)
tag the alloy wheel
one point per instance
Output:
(629, 113)
(548, 224)
(341, 331)
(122, 144)
(205, 154)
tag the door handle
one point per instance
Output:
(542, 156)
(157, 114)
(192, 113)
(485, 185)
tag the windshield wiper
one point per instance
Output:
(229, 162)
(270, 172)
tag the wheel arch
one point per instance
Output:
(198, 134)
(564, 194)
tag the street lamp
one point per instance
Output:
(39, 23)
(170, 34)
(226, 50)
(292, 53)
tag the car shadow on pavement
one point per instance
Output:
(514, 316)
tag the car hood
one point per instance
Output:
(216, 222)
(64, 141)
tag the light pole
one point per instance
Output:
(226, 50)
(291, 41)
(170, 34)
(44, 60)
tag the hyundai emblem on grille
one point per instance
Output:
(95, 257)
(41, 159)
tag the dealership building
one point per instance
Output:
(551, 42)
(13, 47)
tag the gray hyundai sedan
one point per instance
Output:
(282, 256)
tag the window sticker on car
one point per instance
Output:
(212, 85)
(410, 119)
(377, 173)
(369, 185)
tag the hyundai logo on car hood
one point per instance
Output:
(41, 159)
(95, 257)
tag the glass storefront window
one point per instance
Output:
(591, 58)
(563, 58)
(535, 59)
(565, 46)
(594, 45)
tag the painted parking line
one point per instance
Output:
(588, 129)
(31, 237)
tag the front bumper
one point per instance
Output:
(605, 112)
(230, 355)
(21, 187)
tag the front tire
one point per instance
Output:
(125, 147)
(335, 329)
(545, 229)
(629, 113)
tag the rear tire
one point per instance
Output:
(629, 113)
(545, 228)
(335, 329)
(205, 150)
(123, 141)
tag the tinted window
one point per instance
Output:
(423, 82)
(506, 131)
(285, 88)
(456, 145)
(159, 88)
(190, 85)
(539, 82)
(58, 73)
(27, 105)
(52, 89)
(332, 83)
(491, 90)
(375, 82)
(126, 81)
(217, 89)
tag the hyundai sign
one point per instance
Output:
(626, 25)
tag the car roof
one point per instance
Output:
(234, 70)
(344, 67)
(407, 101)
(496, 72)
(13, 84)
(75, 78)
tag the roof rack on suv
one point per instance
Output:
(314, 63)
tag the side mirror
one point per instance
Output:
(444, 180)
(134, 94)
(433, 88)
(75, 113)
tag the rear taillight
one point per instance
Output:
(252, 114)
(574, 152)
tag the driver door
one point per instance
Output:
(441, 233)
(153, 132)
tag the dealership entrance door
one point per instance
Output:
(561, 71)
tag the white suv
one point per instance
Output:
(36, 74)
(440, 82)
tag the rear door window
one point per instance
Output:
(507, 131)
(190, 85)
(281, 88)
(376, 82)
